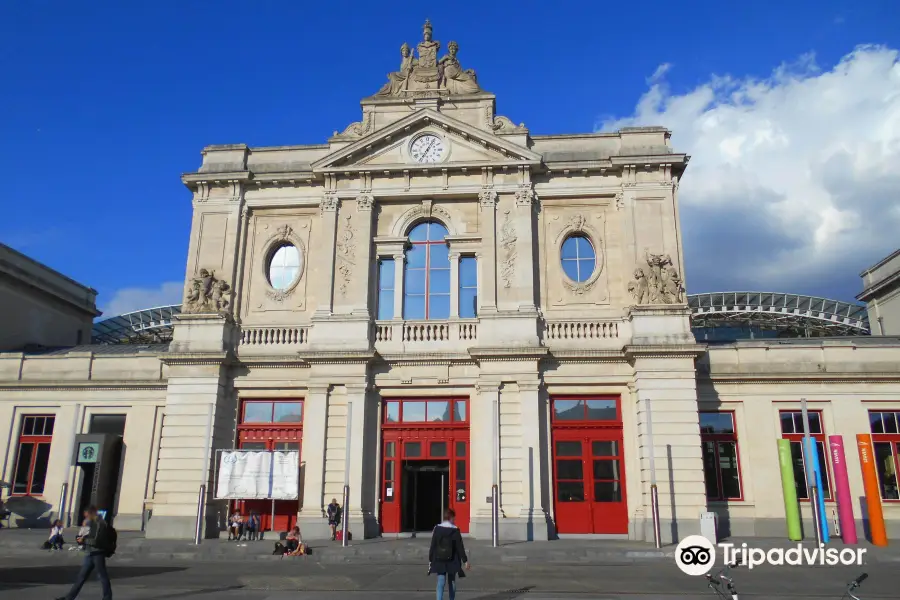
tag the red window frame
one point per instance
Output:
(403, 402)
(270, 433)
(892, 438)
(428, 244)
(715, 438)
(29, 436)
(821, 443)
(557, 422)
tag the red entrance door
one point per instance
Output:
(425, 463)
(588, 466)
(271, 425)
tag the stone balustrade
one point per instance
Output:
(257, 337)
(584, 332)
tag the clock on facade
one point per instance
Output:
(427, 148)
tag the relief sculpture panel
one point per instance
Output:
(277, 264)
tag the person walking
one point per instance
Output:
(447, 555)
(334, 517)
(97, 544)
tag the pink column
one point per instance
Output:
(842, 489)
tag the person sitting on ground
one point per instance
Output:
(236, 530)
(56, 535)
(334, 517)
(82, 533)
(293, 543)
(447, 555)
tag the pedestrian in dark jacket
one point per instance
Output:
(95, 556)
(447, 555)
(334, 517)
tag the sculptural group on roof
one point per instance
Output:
(425, 73)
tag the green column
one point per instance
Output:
(791, 508)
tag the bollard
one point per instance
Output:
(198, 532)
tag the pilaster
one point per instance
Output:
(315, 416)
(329, 210)
(534, 456)
(483, 452)
(487, 264)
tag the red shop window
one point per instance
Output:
(32, 455)
(792, 429)
(574, 410)
(886, 441)
(721, 460)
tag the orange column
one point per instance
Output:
(873, 493)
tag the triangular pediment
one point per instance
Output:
(388, 148)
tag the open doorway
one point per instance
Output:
(425, 488)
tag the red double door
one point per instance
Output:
(589, 476)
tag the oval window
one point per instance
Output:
(578, 258)
(284, 267)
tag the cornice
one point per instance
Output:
(665, 351)
(63, 386)
(505, 354)
(198, 358)
(588, 356)
(337, 356)
(272, 362)
(404, 359)
(788, 378)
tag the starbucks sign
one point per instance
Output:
(88, 452)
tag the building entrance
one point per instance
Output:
(426, 493)
(425, 464)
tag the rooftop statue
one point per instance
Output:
(426, 75)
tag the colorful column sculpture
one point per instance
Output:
(842, 489)
(812, 452)
(791, 508)
(873, 493)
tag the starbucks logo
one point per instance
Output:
(87, 453)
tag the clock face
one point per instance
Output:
(427, 148)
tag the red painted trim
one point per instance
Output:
(29, 439)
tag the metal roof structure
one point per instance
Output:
(779, 311)
(789, 313)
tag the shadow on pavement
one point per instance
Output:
(506, 594)
(20, 577)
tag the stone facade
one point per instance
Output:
(430, 148)
(881, 293)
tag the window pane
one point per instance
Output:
(413, 449)
(823, 467)
(389, 470)
(798, 422)
(601, 410)
(815, 422)
(605, 448)
(875, 422)
(23, 467)
(459, 410)
(288, 412)
(799, 475)
(385, 305)
(568, 410)
(607, 491)
(284, 267)
(392, 412)
(568, 448)
(716, 422)
(569, 469)
(606, 469)
(887, 474)
(438, 449)
(414, 284)
(48, 425)
(461, 449)
(413, 412)
(570, 491)
(438, 411)
(287, 446)
(570, 267)
(386, 274)
(890, 422)
(253, 445)
(419, 233)
(112, 424)
(439, 281)
(787, 422)
(711, 471)
(468, 303)
(389, 449)
(460, 470)
(568, 249)
(468, 272)
(439, 256)
(439, 307)
(585, 268)
(28, 425)
(413, 307)
(436, 232)
(728, 465)
(258, 412)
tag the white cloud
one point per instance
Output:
(794, 180)
(135, 298)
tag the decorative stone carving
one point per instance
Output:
(500, 124)
(346, 252)
(329, 202)
(425, 75)
(284, 233)
(206, 294)
(508, 240)
(524, 196)
(359, 128)
(365, 202)
(620, 201)
(487, 198)
(660, 284)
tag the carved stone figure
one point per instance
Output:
(508, 240)
(453, 77)
(428, 48)
(660, 285)
(206, 294)
(397, 81)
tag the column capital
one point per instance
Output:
(318, 388)
(329, 202)
(525, 195)
(487, 197)
(487, 387)
(529, 386)
(365, 202)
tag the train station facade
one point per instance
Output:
(454, 302)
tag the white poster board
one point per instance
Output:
(258, 475)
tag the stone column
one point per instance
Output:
(315, 416)
(362, 484)
(199, 418)
(534, 510)
(482, 455)
(454, 285)
(363, 270)
(398, 285)
(487, 265)
(524, 279)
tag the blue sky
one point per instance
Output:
(105, 104)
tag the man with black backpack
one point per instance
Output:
(99, 544)
(447, 555)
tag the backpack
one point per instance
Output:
(443, 550)
(279, 549)
(106, 539)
